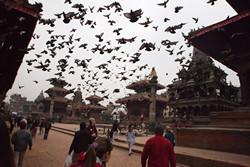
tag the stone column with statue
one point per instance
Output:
(152, 107)
(52, 96)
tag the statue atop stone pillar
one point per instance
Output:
(152, 107)
(153, 75)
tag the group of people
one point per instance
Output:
(93, 151)
(32, 125)
(22, 138)
(90, 151)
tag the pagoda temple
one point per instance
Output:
(94, 109)
(145, 103)
(201, 89)
(56, 103)
(16, 17)
(228, 42)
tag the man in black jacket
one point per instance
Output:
(80, 142)
(115, 130)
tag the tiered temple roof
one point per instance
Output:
(94, 97)
(57, 99)
(58, 90)
(142, 89)
(94, 103)
(57, 95)
(140, 97)
(143, 85)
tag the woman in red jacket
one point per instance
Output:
(97, 154)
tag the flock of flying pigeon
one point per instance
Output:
(112, 68)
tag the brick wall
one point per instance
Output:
(233, 118)
(234, 141)
(95, 115)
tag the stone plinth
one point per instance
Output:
(218, 139)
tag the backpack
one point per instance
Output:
(47, 125)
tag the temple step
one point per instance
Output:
(232, 140)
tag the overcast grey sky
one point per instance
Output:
(160, 59)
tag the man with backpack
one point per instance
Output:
(47, 126)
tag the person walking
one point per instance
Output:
(92, 129)
(47, 126)
(21, 139)
(80, 142)
(158, 150)
(169, 135)
(41, 126)
(130, 136)
(142, 117)
(19, 118)
(12, 121)
(29, 123)
(34, 128)
(115, 130)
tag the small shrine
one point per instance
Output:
(56, 103)
(201, 89)
(40, 106)
(77, 109)
(94, 109)
(145, 106)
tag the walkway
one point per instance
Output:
(52, 152)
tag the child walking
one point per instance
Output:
(130, 136)
(97, 154)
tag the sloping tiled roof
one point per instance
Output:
(94, 107)
(221, 41)
(140, 97)
(94, 97)
(11, 26)
(57, 99)
(217, 25)
(143, 83)
(57, 89)
(24, 6)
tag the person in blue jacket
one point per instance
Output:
(169, 135)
